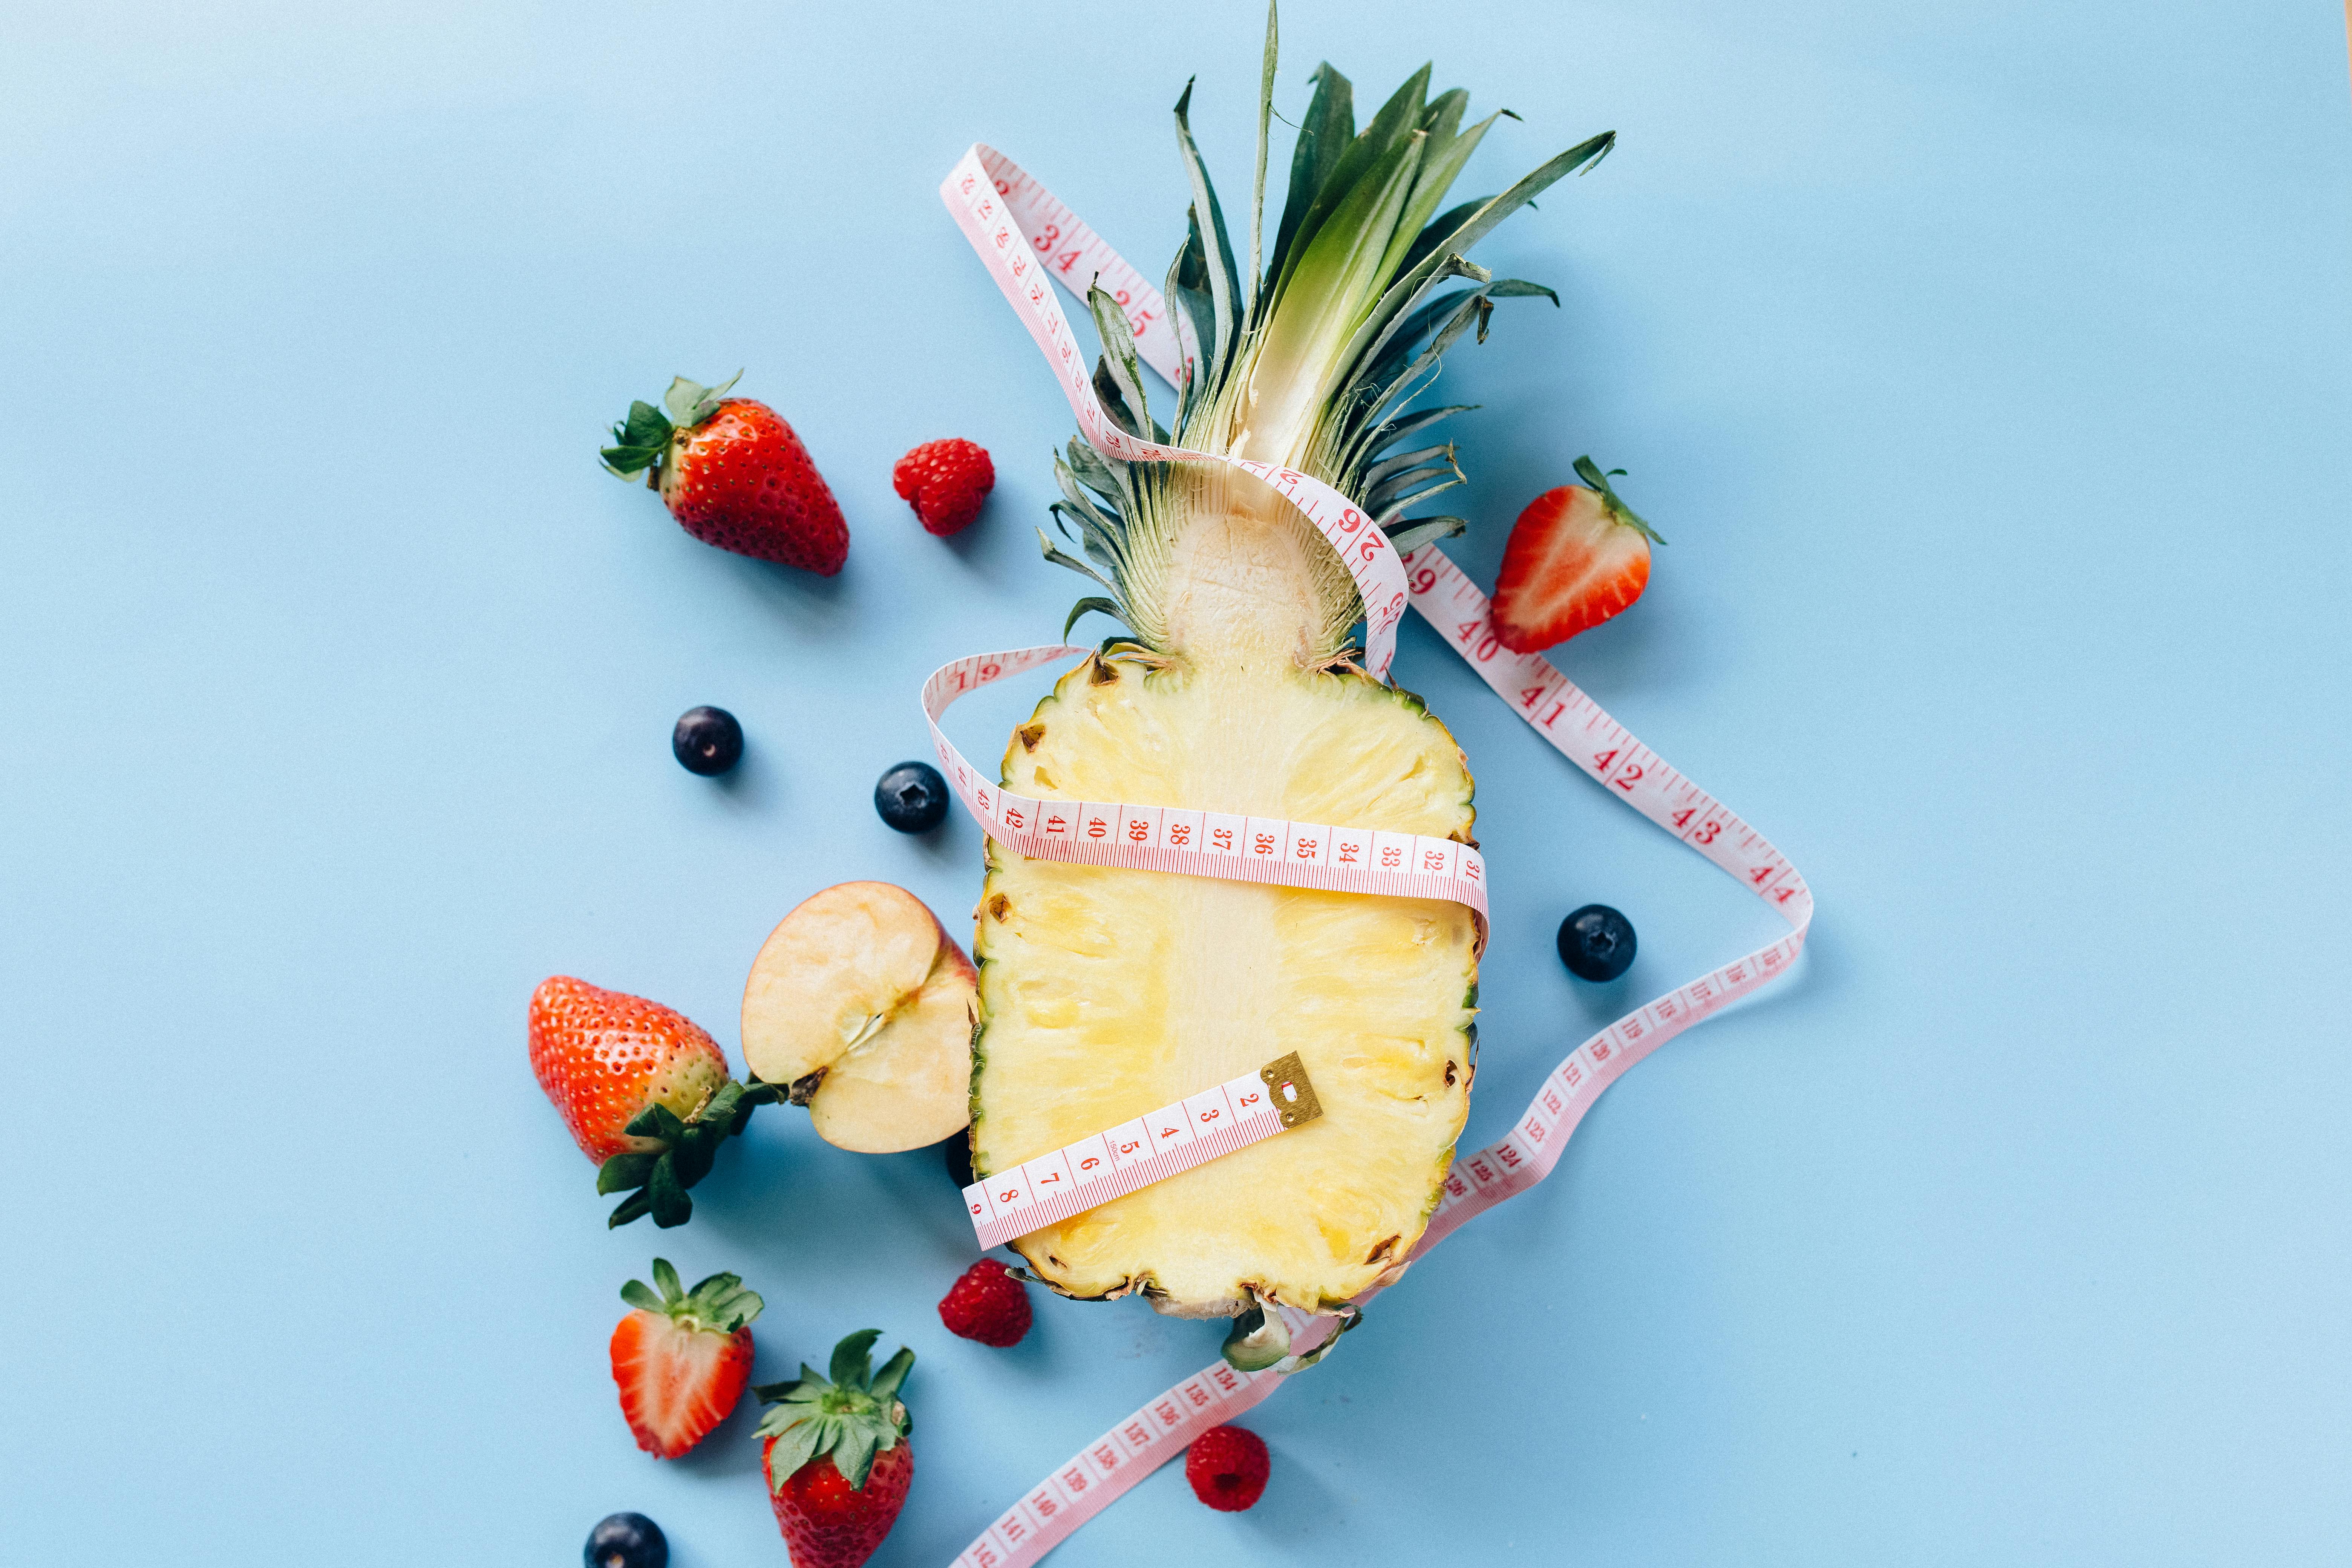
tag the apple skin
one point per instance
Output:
(862, 1004)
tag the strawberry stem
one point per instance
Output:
(718, 1304)
(657, 1179)
(641, 442)
(849, 1416)
(1590, 473)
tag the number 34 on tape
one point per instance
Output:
(1233, 1115)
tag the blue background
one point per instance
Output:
(1988, 364)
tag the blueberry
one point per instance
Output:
(1596, 942)
(707, 740)
(958, 1150)
(626, 1540)
(912, 797)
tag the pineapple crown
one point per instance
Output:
(718, 1304)
(852, 1415)
(641, 442)
(1314, 356)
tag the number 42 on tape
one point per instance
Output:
(1233, 1115)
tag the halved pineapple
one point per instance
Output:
(1109, 993)
(1105, 994)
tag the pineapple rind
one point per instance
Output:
(1107, 993)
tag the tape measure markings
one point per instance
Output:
(1194, 843)
(1097, 1474)
(1246, 1109)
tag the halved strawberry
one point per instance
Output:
(682, 1357)
(1577, 556)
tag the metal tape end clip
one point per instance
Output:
(1294, 1096)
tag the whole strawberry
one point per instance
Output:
(987, 1304)
(734, 475)
(837, 1459)
(682, 1357)
(1227, 1467)
(644, 1092)
(945, 482)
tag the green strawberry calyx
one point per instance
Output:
(1590, 473)
(641, 443)
(657, 1179)
(851, 1415)
(718, 1305)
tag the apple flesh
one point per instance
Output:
(863, 1006)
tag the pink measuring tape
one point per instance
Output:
(1025, 235)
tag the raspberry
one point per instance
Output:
(1227, 1467)
(988, 1305)
(945, 482)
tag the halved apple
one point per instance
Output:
(863, 1006)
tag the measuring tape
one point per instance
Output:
(1245, 1109)
(1195, 843)
(1025, 235)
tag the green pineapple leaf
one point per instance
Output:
(1324, 135)
(1257, 186)
(1119, 361)
(1224, 284)
(1417, 531)
(1096, 603)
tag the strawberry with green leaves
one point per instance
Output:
(734, 475)
(1576, 557)
(682, 1359)
(838, 1457)
(645, 1093)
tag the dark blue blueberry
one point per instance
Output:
(1596, 942)
(707, 740)
(912, 797)
(626, 1540)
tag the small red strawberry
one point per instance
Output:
(987, 1304)
(644, 1092)
(1227, 1467)
(838, 1457)
(734, 475)
(945, 482)
(1576, 557)
(682, 1357)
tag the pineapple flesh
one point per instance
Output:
(1107, 993)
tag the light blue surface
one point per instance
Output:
(1989, 365)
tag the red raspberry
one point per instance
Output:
(1227, 1466)
(945, 481)
(988, 1305)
